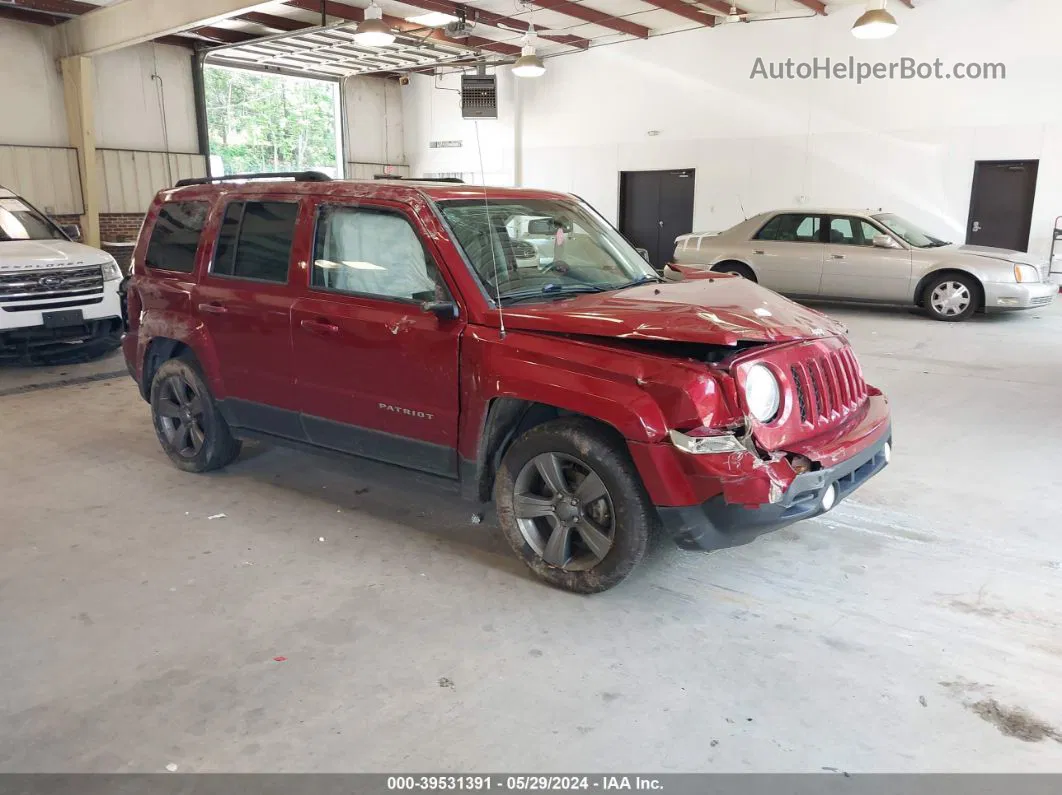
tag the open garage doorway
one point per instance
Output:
(260, 122)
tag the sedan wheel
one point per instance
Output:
(952, 298)
(564, 511)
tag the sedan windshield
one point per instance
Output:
(19, 221)
(910, 232)
(538, 248)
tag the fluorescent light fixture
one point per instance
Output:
(374, 32)
(433, 19)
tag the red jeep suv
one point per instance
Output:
(509, 339)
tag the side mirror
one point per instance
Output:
(72, 231)
(884, 241)
(644, 253)
(444, 310)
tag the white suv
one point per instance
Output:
(56, 295)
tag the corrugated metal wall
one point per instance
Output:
(46, 175)
(370, 170)
(131, 179)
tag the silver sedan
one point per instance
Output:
(880, 258)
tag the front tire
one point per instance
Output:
(187, 422)
(952, 298)
(572, 506)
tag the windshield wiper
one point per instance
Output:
(641, 280)
(553, 290)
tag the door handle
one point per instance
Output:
(836, 256)
(213, 308)
(976, 226)
(661, 224)
(758, 251)
(320, 326)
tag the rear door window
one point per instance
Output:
(255, 241)
(792, 228)
(175, 236)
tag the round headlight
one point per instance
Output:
(762, 393)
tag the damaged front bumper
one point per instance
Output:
(717, 524)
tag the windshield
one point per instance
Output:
(521, 249)
(910, 232)
(19, 221)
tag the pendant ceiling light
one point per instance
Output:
(876, 23)
(529, 64)
(374, 32)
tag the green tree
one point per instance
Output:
(265, 122)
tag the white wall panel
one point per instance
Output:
(32, 91)
(130, 179)
(907, 145)
(46, 176)
(130, 111)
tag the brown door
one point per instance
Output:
(1001, 204)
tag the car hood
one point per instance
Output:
(985, 252)
(722, 310)
(31, 255)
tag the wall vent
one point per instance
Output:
(479, 97)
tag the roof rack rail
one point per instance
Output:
(298, 176)
(453, 180)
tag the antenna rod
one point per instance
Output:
(490, 233)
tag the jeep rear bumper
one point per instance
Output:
(717, 524)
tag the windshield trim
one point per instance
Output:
(441, 218)
(934, 241)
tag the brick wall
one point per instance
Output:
(120, 227)
(114, 228)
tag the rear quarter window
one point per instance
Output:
(175, 236)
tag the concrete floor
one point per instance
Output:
(900, 633)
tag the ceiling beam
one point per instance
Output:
(223, 35)
(71, 8)
(132, 22)
(686, 11)
(489, 18)
(353, 14)
(577, 11)
(16, 14)
(274, 22)
(815, 5)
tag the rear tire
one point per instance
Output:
(952, 297)
(187, 422)
(737, 269)
(572, 506)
